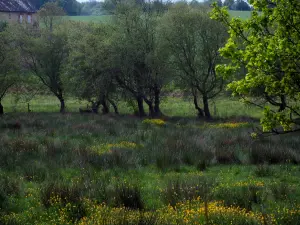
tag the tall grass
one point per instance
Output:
(80, 169)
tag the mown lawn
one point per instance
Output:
(93, 169)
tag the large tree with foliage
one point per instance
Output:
(267, 48)
(9, 64)
(141, 69)
(90, 65)
(193, 40)
(71, 7)
(45, 51)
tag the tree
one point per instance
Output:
(140, 72)
(90, 65)
(71, 7)
(50, 15)
(241, 5)
(228, 3)
(193, 40)
(267, 46)
(210, 3)
(9, 64)
(45, 51)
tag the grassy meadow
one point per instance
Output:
(103, 18)
(107, 18)
(106, 169)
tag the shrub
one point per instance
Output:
(127, 195)
(63, 196)
(262, 152)
(241, 194)
(263, 170)
(9, 186)
(281, 191)
(52, 192)
(180, 190)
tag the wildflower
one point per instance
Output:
(158, 122)
(228, 125)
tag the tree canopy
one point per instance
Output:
(71, 7)
(193, 40)
(266, 48)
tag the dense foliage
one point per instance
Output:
(264, 50)
(9, 63)
(152, 161)
(71, 7)
(193, 40)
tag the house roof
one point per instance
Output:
(17, 6)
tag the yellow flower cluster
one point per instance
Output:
(123, 144)
(105, 148)
(228, 125)
(189, 212)
(196, 212)
(252, 183)
(158, 122)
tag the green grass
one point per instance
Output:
(104, 18)
(223, 107)
(81, 169)
(240, 14)
(108, 18)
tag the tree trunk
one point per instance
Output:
(151, 110)
(283, 103)
(114, 106)
(206, 107)
(95, 107)
(1, 109)
(157, 103)
(105, 108)
(200, 111)
(140, 101)
(62, 105)
(150, 105)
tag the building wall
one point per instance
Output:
(12, 17)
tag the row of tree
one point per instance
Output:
(94, 7)
(133, 58)
(71, 7)
(140, 53)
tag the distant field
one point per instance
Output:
(240, 14)
(106, 18)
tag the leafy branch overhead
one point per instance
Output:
(264, 63)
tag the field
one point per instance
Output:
(240, 14)
(104, 18)
(107, 18)
(222, 107)
(108, 169)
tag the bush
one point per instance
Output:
(262, 152)
(126, 195)
(239, 195)
(180, 190)
(53, 192)
(263, 170)
(9, 186)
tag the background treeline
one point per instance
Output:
(96, 8)
(135, 58)
(71, 7)
(144, 51)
